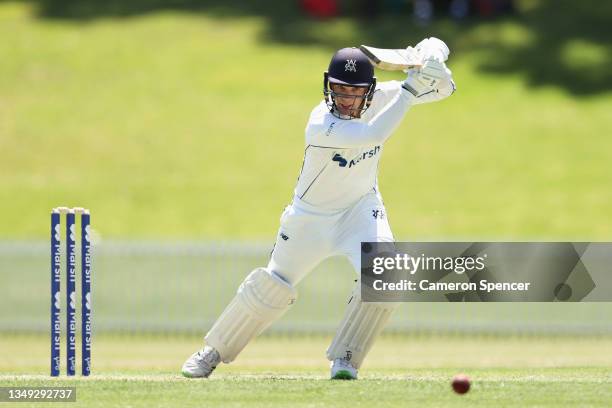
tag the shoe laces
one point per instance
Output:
(342, 363)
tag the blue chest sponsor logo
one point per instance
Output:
(342, 162)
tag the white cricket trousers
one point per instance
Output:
(308, 235)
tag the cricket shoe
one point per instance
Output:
(201, 363)
(343, 370)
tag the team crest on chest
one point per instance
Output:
(351, 65)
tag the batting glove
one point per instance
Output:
(424, 80)
(433, 48)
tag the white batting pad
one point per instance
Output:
(262, 298)
(361, 324)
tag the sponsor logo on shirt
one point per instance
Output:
(342, 162)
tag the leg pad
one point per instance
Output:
(361, 324)
(262, 298)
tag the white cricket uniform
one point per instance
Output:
(336, 203)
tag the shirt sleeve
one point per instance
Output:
(386, 91)
(326, 130)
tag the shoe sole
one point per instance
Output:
(188, 375)
(343, 375)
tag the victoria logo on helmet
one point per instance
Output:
(351, 65)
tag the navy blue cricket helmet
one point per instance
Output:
(351, 67)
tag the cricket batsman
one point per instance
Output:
(336, 206)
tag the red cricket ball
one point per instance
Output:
(461, 383)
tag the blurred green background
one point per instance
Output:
(185, 119)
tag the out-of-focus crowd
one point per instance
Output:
(423, 11)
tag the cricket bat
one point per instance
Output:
(392, 60)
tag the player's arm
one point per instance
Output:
(386, 91)
(333, 132)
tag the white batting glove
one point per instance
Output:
(447, 87)
(424, 80)
(433, 48)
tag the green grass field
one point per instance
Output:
(185, 119)
(292, 372)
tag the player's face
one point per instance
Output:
(349, 99)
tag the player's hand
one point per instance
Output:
(433, 48)
(427, 78)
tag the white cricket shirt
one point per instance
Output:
(341, 156)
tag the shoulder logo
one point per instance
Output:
(351, 65)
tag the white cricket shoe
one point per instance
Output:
(201, 363)
(343, 370)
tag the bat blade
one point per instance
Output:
(392, 59)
